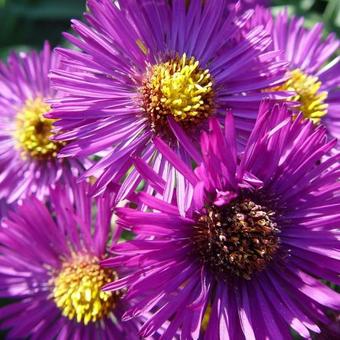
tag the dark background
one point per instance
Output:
(27, 23)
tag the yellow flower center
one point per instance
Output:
(77, 290)
(180, 88)
(311, 99)
(33, 131)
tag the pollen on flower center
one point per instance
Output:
(77, 290)
(33, 131)
(307, 88)
(180, 88)
(237, 239)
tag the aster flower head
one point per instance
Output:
(50, 264)
(141, 62)
(240, 253)
(28, 162)
(314, 69)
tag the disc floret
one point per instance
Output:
(77, 290)
(33, 131)
(179, 88)
(237, 239)
(311, 101)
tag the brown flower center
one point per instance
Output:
(237, 239)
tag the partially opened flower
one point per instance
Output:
(313, 68)
(141, 62)
(242, 256)
(49, 265)
(28, 163)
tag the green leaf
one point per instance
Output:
(306, 5)
(5, 51)
(46, 9)
(291, 9)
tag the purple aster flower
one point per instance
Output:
(28, 162)
(313, 68)
(49, 263)
(141, 62)
(240, 254)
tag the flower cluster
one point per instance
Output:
(174, 174)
